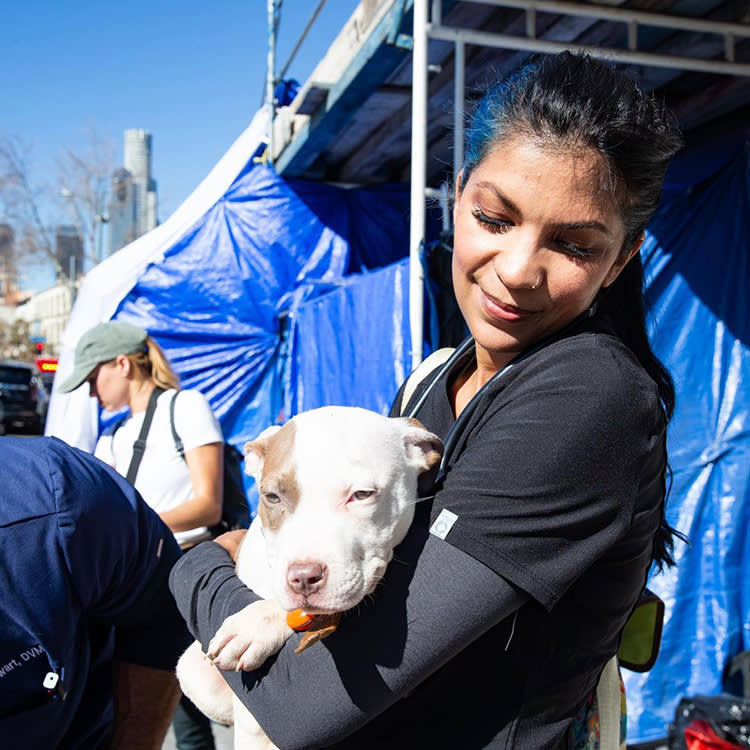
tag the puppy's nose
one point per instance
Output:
(305, 578)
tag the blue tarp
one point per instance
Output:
(218, 301)
(697, 260)
(351, 346)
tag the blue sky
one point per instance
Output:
(191, 72)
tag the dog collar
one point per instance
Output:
(299, 620)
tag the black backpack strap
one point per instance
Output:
(177, 442)
(139, 446)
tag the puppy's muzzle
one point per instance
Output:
(306, 578)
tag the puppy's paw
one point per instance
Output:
(246, 639)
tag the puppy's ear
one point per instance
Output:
(422, 447)
(255, 452)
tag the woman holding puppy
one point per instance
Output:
(510, 593)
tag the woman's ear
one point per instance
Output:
(124, 365)
(622, 260)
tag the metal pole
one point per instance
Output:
(418, 178)
(458, 108)
(271, 73)
(507, 41)
(301, 39)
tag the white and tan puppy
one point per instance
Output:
(337, 490)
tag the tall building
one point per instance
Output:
(121, 210)
(8, 269)
(132, 209)
(69, 251)
(138, 163)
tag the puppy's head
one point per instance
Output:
(337, 490)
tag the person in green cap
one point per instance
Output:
(123, 366)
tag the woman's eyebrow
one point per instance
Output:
(586, 225)
(567, 226)
(499, 195)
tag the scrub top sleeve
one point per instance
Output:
(206, 588)
(548, 478)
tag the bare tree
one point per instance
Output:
(75, 196)
(83, 180)
(22, 202)
(15, 342)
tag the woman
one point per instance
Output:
(493, 630)
(124, 366)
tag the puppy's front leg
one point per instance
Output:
(247, 638)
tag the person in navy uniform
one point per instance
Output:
(89, 633)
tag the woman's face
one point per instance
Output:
(536, 237)
(109, 384)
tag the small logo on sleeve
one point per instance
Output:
(443, 524)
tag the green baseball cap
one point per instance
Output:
(103, 343)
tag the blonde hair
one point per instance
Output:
(154, 365)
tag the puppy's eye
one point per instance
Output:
(362, 495)
(271, 497)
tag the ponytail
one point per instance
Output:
(155, 366)
(622, 304)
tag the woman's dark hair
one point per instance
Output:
(574, 102)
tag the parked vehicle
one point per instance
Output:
(45, 376)
(19, 397)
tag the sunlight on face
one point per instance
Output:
(110, 386)
(536, 237)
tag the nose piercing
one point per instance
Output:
(536, 284)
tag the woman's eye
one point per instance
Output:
(574, 251)
(271, 497)
(362, 495)
(490, 223)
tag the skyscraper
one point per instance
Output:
(132, 208)
(8, 271)
(69, 251)
(121, 210)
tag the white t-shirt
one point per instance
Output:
(163, 478)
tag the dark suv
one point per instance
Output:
(19, 397)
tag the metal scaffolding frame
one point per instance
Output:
(426, 28)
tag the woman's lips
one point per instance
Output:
(501, 311)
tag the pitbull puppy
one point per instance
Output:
(337, 488)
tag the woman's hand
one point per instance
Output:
(230, 541)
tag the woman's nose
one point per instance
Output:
(517, 263)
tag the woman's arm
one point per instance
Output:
(204, 507)
(446, 598)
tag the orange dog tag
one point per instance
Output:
(299, 620)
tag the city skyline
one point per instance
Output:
(191, 74)
(132, 208)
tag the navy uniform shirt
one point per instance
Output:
(83, 580)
